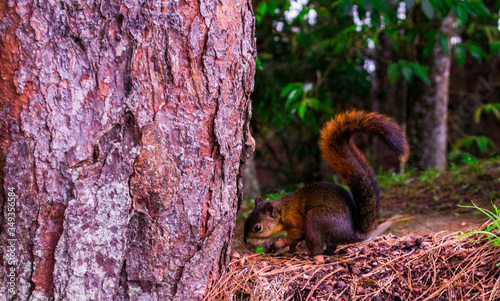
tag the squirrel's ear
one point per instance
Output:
(258, 202)
(268, 208)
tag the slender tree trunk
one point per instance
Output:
(429, 112)
(124, 129)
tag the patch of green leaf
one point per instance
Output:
(444, 43)
(476, 51)
(475, 9)
(276, 195)
(460, 54)
(495, 47)
(407, 70)
(429, 175)
(458, 153)
(482, 142)
(428, 9)
(491, 232)
(258, 65)
(430, 37)
(393, 72)
(410, 4)
(389, 178)
(461, 14)
(464, 157)
(421, 72)
(487, 108)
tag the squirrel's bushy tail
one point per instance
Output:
(342, 155)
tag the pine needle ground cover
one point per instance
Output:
(429, 267)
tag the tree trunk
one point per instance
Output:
(429, 111)
(124, 129)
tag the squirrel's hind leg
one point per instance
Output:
(330, 249)
(326, 229)
(314, 237)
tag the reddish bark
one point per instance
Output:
(124, 130)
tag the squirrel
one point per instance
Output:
(325, 213)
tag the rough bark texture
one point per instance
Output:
(429, 111)
(124, 127)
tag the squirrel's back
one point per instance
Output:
(343, 156)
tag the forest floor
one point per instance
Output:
(422, 256)
(427, 267)
(430, 200)
(427, 202)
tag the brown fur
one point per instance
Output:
(339, 129)
(343, 156)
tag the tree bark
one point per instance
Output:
(124, 130)
(427, 122)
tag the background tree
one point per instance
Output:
(124, 128)
(398, 57)
(422, 37)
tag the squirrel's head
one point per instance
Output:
(262, 224)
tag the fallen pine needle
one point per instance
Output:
(429, 267)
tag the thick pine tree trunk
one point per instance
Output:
(124, 129)
(429, 111)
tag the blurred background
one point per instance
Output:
(431, 65)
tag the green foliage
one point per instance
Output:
(444, 43)
(491, 232)
(457, 174)
(476, 51)
(463, 157)
(407, 70)
(259, 250)
(309, 68)
(487, 108)
(298, 100)
(464, 9)
(428, 9)
(389, 178)
(429, 175)
(460, 54)
(495, 47)
(276, 195)
(258, 65)
(483, 143)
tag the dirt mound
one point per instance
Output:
(429, 267)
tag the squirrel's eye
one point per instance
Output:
(258, 228)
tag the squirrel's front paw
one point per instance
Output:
(272, 248)
(292, 248)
